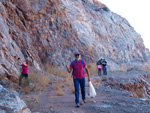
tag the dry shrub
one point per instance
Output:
(96, 83)
(60, 92)
(92, 68)
(44, 80)
(35, 97)
(68, 81)
(56, 87)
(25, 89)
(39, 80)
(31, 105)
(73, 89)
(57, 72)
(31, 100)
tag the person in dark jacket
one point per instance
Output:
(99, 67)
(104, 63)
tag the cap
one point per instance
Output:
(76, 53)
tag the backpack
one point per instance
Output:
(74, 65)
(98, 62)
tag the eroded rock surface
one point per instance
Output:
(50, 31)
(11, 103)
(134, 81)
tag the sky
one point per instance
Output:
(137, 12)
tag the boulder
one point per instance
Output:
(10, 102)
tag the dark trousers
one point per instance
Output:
(104, 70)
(99, 72)
(78, 81)
(26, 79)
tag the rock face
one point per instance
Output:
(134, 81)
(50, 31)
(11, 103)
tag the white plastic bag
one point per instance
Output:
(92, 92)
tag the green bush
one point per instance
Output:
(105, 9)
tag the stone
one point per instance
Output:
(11, 102)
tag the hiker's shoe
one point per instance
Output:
(77, 105)
(84, 101)
(81, 103)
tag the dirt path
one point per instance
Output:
(108, 100)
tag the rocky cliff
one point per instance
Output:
(50, 31)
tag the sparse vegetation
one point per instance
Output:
(31, 100)
(105, 8)
(92, 68)
(96, 83)
(60, 92)
(57, 72)
(39, 80)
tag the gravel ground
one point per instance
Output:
(108, 99)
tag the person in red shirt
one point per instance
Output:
(24, 72)
(77, 67)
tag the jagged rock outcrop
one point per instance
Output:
(50, 31)
(11, 103)
(134, 81)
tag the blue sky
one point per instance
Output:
(137, 14)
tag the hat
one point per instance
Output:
(76, 53)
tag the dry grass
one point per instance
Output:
(73, 89)
(56, 87)
(35, 98)
(60, 84)
(60, 93)
(92, 68)
(68, 81)
(96, 83)
(25, 89)
(57, 72)
(39, 80)
(31, 100)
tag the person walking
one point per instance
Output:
(104, 67)
(99, 67)
(77, 67)
(24, 72)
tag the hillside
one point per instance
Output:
(48, 32)
(51, 31)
